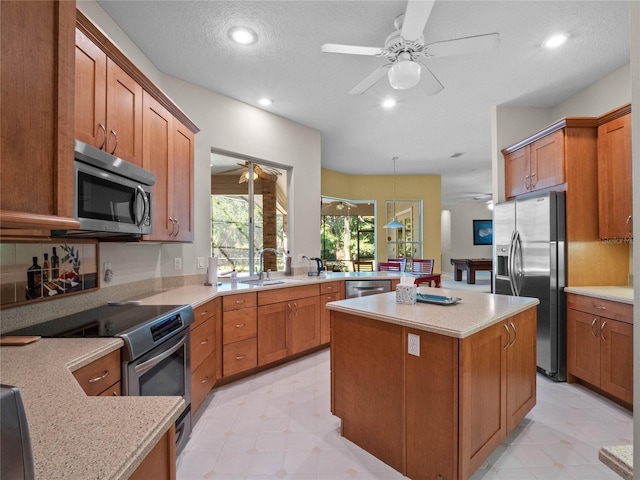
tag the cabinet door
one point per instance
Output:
(305, 324)
(616, 368)
(157, 139)
(483, 388)
(547, 161)
(325, 316)
(181, 179)
(614, 178)
(521, 367)
(583, 346)
(516, 169)
(124, 115)
(273, 331)
(203, 342)
(90, 92)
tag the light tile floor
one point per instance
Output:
(277, 425)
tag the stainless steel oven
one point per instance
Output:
(155, 356)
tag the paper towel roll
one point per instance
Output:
(212, 272)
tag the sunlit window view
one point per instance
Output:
(248, 213)
(347, 233)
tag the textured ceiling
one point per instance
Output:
(188, 40)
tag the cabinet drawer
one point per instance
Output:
(235, 302)
(239, 356)
(97, 376)
(114, 390)
(202, 380)
(203, 342)
(331, 287)
(603, 308)
(331, 297)
(239, 325)
(202, 313)
(278, 295)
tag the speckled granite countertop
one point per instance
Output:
(76, 437)
(473, 313)
(619, 459)
(616, 294)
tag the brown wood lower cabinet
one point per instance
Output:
(160, 464)
(329, 292)
(205, 330)
(600, 345)
(102, 376)
(239, 356)
(438, 415)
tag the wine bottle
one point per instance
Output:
(46, 269)
(34, 275)
(55, 265)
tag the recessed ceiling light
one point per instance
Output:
(555, 41)
(243, 35)
(265, 102)
(388, 103)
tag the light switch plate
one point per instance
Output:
(201, 262)
(414, 344)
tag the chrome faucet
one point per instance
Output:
(261, 254)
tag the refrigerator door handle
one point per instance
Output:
(519, 274)
(511, 263)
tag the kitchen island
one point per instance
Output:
(431, 389)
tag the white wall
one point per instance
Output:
(229, 125)
(458, 242)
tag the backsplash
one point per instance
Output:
(38, 271)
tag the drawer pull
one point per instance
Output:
(329, 297)
(101, 377)
(599, 307)
(206, 379)
(204, 313)
(240, 301)
(204, 342)
(115, 394)
(240, 325)
(240, 357)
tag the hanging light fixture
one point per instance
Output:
(405, 73)
(394, 223)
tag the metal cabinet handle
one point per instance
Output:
(515, 334)
(506, 345)
(101, 377)
(115, 135)
(599, 307)
(240, 325)
(104, 136)
(592, 325)
(240, 301)
(206, 379)
(240, 357)
(602, 330)
(526, 184)
(295, 309)
(533, 185)
(329, 297)
(204, 312)
(178, 231)
(204, 342)
(627, 223)
(290, 310)
(114, 394)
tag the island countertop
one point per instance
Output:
(474, 312)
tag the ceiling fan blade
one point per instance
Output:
(461, 46)
(368, 82)
(428, 81)
(415, 18)
(350, 49)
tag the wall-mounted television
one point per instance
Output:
(483, 232)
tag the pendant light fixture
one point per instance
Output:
(394, 223)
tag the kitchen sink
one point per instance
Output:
(262, 283)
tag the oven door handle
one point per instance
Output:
(149, 364)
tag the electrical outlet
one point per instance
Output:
(107, 266)
(201, 262)
(414, 344)
(177, 263)
(300, 258)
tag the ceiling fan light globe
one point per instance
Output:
(404, 75)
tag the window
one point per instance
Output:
(248, 212)
(347, 232)
(405, 242)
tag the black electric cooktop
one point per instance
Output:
(104, 321)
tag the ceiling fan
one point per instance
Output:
(405, 48)
(258, 172)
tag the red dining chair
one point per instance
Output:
(389, 267)
(422, 265)
(401, 261)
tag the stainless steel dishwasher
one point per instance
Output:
(362, 288)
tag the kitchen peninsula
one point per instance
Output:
(440, 411)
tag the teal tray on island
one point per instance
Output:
(437, 299)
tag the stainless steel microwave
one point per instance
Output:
(112, 196)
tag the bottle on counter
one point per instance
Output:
(234, 278)
(34, 275)
(46, 269)
(55, 265)
(287, 264)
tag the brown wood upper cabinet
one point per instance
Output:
(535, 166)
(614, 175)
(168, 152)
(108, 107)
(36, 118)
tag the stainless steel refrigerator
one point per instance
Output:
(529, 260)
